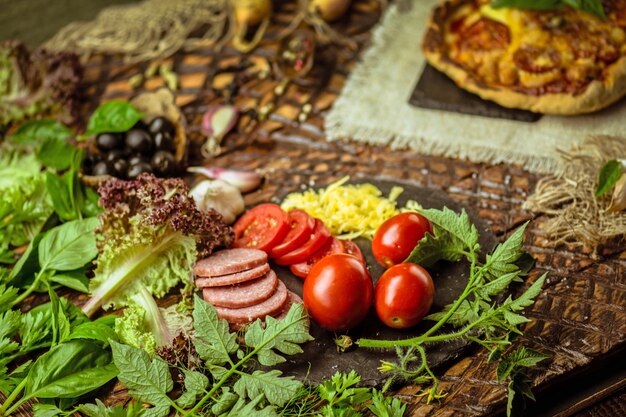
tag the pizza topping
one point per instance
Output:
(535, 52)
(535, 60)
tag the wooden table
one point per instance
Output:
(580, 318)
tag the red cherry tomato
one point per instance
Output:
(301, 227)
(262, 227)
(403, 295)
(302, 269)
(352, 248)
(319, 236)
(397, 237)
(338, 292)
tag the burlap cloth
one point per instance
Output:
(373, 107)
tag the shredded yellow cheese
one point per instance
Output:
(349, 211)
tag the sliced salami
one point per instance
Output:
(229, 261)
(292, 299)
(242, 295)
(270, 306)
(236, 278)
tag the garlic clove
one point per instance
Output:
(220, 196)
(245, 181)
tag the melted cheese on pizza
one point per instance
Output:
(536, 52)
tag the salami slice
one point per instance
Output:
(232, 279)
(242, 295)
(292, 298)
(270, 306)
(229, 261)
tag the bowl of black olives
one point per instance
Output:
(152, 147)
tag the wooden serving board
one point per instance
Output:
(580, 317)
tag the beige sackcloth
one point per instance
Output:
(373, 108)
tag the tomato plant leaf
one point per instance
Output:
(248, 409)
(435, 247)
(279, 335)
(458, 226)
(214, 343)
(504, 257)
(148, 380)
(195, 385)
(276, 390)
(609, 174)
(113, 116)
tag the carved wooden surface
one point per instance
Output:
(579, 318)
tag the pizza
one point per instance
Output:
(554, 62)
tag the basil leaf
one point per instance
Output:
(32, 133)
(23, 274)
(593, 7)
(527, 4)
(58, 192)
(70, 370)
(76, 280)
(94, 330)
(609, 174)
(55, 153)
(69, 246)
(113, 116)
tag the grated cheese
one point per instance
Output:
(349, 211)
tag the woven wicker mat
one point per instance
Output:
(580, 317)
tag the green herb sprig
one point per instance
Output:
(475, 315)
(593, 7)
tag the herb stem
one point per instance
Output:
(12, 398)
(426, 337)
(30, 289)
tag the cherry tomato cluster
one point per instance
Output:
(338, 290)
(290, 238)
(405, 291)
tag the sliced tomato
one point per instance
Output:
(353, 249)
(319, 236)
(302, 269)
(262, 227)
(301, 227)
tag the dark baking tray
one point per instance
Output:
(435, 90)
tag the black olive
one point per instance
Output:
(135, 159)
(89, 162)
(109, 141)
(163, 163)
(139, 141)
(115, 154)
(135, 170)
(163, 141)
(120, 168)
(140, 125)
(101, 168)
(161, 124)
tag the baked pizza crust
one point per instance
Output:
(596, 96)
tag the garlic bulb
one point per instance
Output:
(219, 195)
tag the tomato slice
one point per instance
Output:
(353, 249)
(301, 227)
(319, 236)
(332, 245)
(262, 227)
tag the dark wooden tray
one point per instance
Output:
(321, 359)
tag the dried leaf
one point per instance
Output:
(618, 200)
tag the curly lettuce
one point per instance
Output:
(150, 235)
